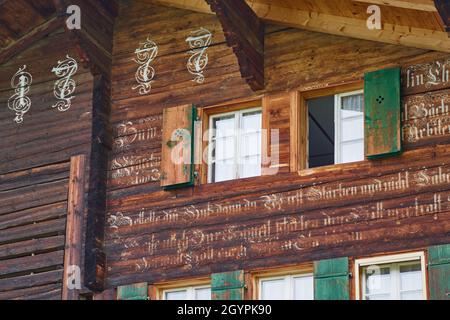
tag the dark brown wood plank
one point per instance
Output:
(28, 264)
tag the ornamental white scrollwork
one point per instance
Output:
(19, 102)
(65, 87)
(145, 73)
(199, 41)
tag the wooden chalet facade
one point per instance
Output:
(108, 178)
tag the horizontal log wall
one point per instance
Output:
(34, 170)
(356, 209)
(32, 232)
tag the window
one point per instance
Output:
(188, 293)
(399, 277)
(336, 129)
(288, 287)
(235, 145)
(349, 133)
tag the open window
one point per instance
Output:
(335, 129)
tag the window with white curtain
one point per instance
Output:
(188, 293)
(384, 278)
(235, 145)
(349, 131)
(288, 287)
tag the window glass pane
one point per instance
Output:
(224, 170)
(223, 152)
(250, 149)
(224, 126)
(224, 148)
(304, 288)
(352, 106)
(251, 144)
(411, 295)
(251, 121)
(411, 277)
(273, 289)
(352, 151)
(378, 282)
(176, 295)
(250, 167)
(352, 129)
(203, 294)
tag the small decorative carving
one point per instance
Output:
(19, 101)
(145, 73)
(199, 41)
(65, 86)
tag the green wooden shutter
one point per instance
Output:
(228, 285)
(138, 291)
(177, 154)
(439, 272)
(382, 113)
(331, 279)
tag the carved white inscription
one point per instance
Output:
(145, 73)
(65, 86)
(289, 227)
(199, 41)
(19, 102)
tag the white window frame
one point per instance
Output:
(190, 291)
(404, 258)
(288, 279)
(338, 122)
(238, 141)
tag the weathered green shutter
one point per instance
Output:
(177, 154)
(138, 291)
(382, 113)
(228, 285)
(331, 279)
(439, 272)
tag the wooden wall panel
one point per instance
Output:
(46, 135)
(32, 232)
(368, 207)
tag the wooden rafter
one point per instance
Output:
(30, 38)
(334, 24)
(244, 32)
(443, 8)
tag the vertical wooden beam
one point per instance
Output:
(443, 8)
(95, 260)
(75, 210)
(244, 32)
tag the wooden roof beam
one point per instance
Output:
(244, 32)
(333, 24)
(354, 28)
(30, 38)
(422, 5)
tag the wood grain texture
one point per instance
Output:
(244, 32)
(354, 209)
(75, 212)
(32, 233)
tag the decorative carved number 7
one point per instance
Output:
(145, 73)
(65, 86)
(198, 41)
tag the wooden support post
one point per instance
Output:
(244, 32)
(95, 261)
(75, 210)
(443, 8)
